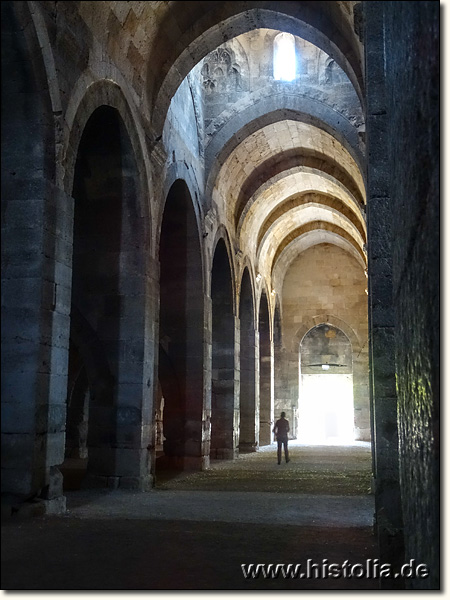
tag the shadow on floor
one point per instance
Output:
(197, 529)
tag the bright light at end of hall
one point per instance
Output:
(326, 410)
(284, 64)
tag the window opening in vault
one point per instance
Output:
(284, 63)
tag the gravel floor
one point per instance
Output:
(194, 530)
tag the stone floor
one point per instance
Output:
(195, 530)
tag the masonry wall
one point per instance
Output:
(326, 285)
(241, 70)
(412, 88)
(184, 122)
(35, 274)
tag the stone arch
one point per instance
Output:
(313, 226)
(266, 112)
(280, 362)
(224, 409)
(331, 319)
(295, 180)
(223, 235)
(263, 288)
(359, 361)
(246, 264)
(346, 231)
(27, 61)
(277, 166)
(99, 93)
(104, 83)
(47, 54)
(326, 385)
(208, 30)
(308, 240)
(52, 81)
(305, 198)
(343, 338)
(265, 371)
(109, 282)
(181, 332)
(180, 171)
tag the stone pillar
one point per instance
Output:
(132, 436)
(266, 397)
(237, 386)
(265, 382)
(388, 510)
(36, 307)
(413, 85)
(286, 387)
(206, 400)
(249, 390)
(36, 275)
(197, 427)
(223, 381)
(360, 395)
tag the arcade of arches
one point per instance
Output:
(193, 245)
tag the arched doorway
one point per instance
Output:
(326, 412)
(265, 374)
(181, 322)
(224, 418)
(105, 411)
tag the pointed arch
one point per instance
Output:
(181, 330)
(265, 372)
(224, 434)
(249, 410)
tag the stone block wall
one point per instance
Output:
(388, 511)
(35, 273)
(412, 90)
(326, 285)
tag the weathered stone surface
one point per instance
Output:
(140, 142)
(415, 193)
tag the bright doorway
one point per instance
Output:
(325, 414)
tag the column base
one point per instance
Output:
(246, 447)
(224, 453)
(35, 508)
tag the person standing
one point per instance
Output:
(281, 430)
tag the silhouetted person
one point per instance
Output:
(281, 431)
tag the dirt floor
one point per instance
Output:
(194, 531)
(335, 470)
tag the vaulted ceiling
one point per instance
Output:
(283, 161)
(284, 180)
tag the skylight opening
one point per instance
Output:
(284, 63)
